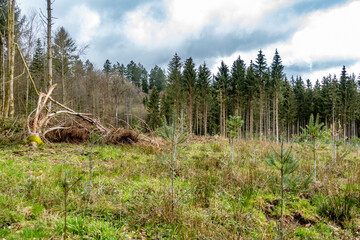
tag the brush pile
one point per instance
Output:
(75, 127)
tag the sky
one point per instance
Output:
(314, 38)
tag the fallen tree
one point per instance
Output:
(76, 128)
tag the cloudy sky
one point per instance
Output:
(314, 37)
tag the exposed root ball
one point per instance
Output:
(122, 136)
(72, 132)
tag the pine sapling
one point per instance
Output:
(284, 162)
(313, 133)
(174, 136)
(67, 187)
(233, 126)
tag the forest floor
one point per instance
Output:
(124, 192)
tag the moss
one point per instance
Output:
(34, 139)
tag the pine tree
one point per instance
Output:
(144, 81)
(261, 69)
(153, 109)
(157, 78)
(277, 76)
(289, 107)
(203, 86)
(175, 86)
(64, 57)
(238, 75)
(37, 71)
(222, 85)
(249, 90)
(189, 79)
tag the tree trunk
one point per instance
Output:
(49, 53)
(3, 77)
(9, 108)
(205, 117)
(277, 116)
(261, 114)
(251, 120)
(190, 112)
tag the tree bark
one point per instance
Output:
(9, 108)
(49, 53)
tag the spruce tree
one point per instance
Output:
(189, 79)
(175, 86)
(249, 90)
(276, 80)
(203, 91)
(238, 74)
(153, 109)
(157, 78)
(261, 69)
(107, 67)
(222, 84)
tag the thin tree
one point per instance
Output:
(9, 107)
(260, 72)
(313, 133)
(189, 77)
(286, 164)
(49, 49)
(276, 80)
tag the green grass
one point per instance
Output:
(130, 193)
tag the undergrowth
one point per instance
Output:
(124, 193)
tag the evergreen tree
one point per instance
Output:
(261, 69)
(64, 58)
(289, 107)
(222, 85)
(189, 79)
(157, 78)
(107, 67)
(153, 109)
(175, 86)
(238, 75)
(37, 66)
(277, 76)
(203, 87)
(250, 89)
(299, 90)
(144, 81)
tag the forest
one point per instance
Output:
(246, 152)
(270, 103)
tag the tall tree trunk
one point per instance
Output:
(221, 116)
(3, 77)
(49, 53)
(261, 113)
(274, 118)
(224, 118)
(205, 117)
(251, 121)
(190, 112)
(277, 116)
(9, 108)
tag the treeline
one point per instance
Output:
(270, 104)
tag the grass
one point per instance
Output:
(130, 194)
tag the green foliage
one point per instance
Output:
(284, 162)
(130, 197)
(313, 133)
(153, 108)
(337, 208)
(233, 125)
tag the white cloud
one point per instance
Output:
(184, 19)
(323, 36)
(83, 22)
